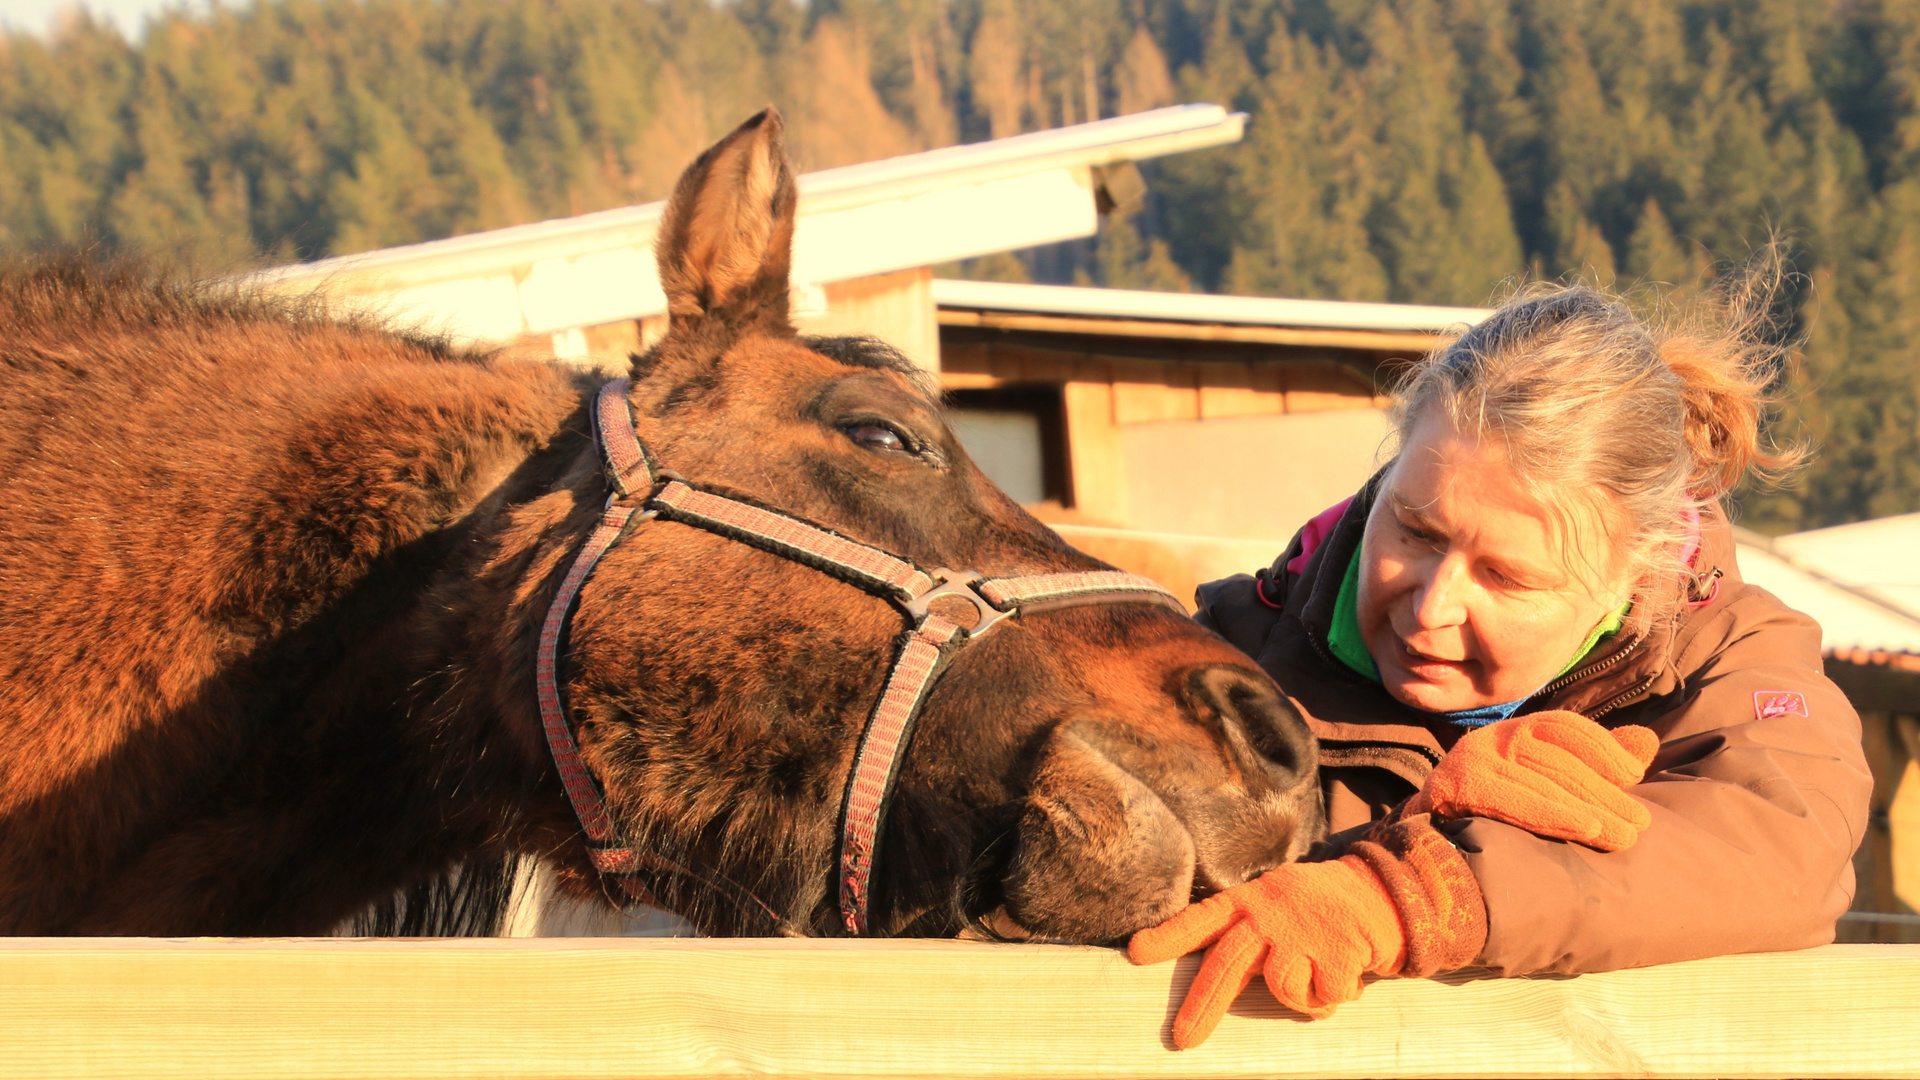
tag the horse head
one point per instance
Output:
(1078, 773)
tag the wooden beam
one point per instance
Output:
(1096, 453)
(213, 1009)
(1398, 341)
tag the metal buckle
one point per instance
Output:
(957, 583)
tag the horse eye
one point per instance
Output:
(875, 436)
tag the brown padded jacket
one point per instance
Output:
(1758, 795)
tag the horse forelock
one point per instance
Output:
(866, 351)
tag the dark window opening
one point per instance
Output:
(1017, 435)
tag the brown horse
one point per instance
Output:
(271, 586)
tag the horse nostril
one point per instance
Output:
(1265, 732)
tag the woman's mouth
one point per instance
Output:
(1417, 660)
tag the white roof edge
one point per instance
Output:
(1199, 307)
(1875, 625)
(1138, 137)
(615, 228)
(1897, 524)
(1872, 557)
(1781, 547)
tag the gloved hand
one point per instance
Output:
(1316, 928)
(1555, 774)
(1402, 901)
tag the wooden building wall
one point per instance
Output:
(1241, 440)
(1887, 866)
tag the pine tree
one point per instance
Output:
(1141, 81)
(1124, 260)
(838, 117)
(996, 69)
(1655, 255)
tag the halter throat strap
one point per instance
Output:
(640, 492)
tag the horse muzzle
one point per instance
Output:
(1120, 831)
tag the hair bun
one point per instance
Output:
(1723, 411)
(1725, 363)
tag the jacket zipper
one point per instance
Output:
(1622, 698)
(1433, 758)
(1325, 653)
(1567, 680)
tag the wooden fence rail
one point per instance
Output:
(212, 1009)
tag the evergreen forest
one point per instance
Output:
(1431, 151)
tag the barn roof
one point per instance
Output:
(1879, 558)
(1854, 623)
(860, 220)
(1134, 313)
(1199, 307)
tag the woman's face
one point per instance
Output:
(1470, 595)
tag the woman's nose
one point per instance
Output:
(1441, 601)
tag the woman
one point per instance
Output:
(1534, 603)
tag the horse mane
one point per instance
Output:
(43, 290)
(133, 301)
(45, 294)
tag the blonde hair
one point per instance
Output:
(1638, 419)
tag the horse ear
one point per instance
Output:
(726, 242)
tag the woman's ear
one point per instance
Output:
(726, 243)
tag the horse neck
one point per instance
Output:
(473, 636)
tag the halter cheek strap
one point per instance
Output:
(640, 493)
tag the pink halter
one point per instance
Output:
(641, 494)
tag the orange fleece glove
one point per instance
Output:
(1402, 902)
(1555, 774)
(1317, 927)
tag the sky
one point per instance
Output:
(38, 16)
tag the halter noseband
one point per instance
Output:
(640, 493)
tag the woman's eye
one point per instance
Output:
(1419, 536)
(1507, 582)
(875, 436)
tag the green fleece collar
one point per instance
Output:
(1343, 637)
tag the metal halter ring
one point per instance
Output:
(958, 583)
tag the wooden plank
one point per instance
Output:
(1873, 863)
(1233, 389)
(619, 340)
(969, 380)
(1096, 454)
(896, 308)
(504, 1008)
(1031, 365)
(1903, 823)
(1877, 683)
(1146, 391)
(1313, 387)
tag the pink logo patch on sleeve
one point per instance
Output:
(1768, 704)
